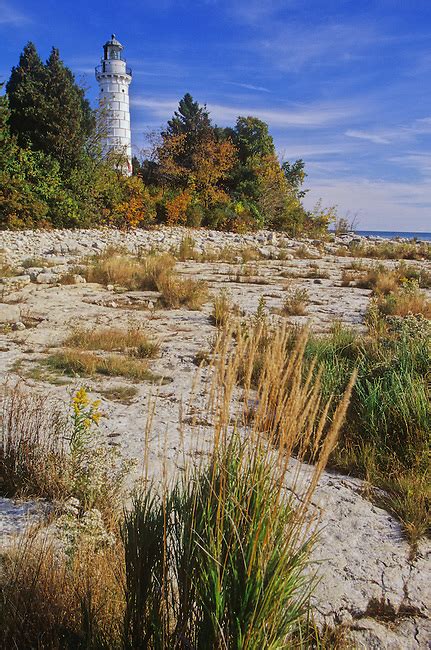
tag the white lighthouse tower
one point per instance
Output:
(114, 78)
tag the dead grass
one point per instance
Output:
(135, 341)
(37, 262)
(151, 273)
(295, 303)
(88, 364)
(315, 271)
(32, 450)
(131, 272)
(404, 301)
(179, 292)
(347, 277)
(303, 253)
(224, 309)
(379, 279)
(186, 250)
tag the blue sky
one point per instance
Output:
(343, 84)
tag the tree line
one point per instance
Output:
(53, 172)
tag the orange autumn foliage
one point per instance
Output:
(176, 208)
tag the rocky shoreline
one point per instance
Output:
(368, 581)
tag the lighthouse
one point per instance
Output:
(114, 77)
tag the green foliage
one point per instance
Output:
(52, 173)
(386, 437)
(213, 564)
(48, 110)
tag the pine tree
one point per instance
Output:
(26, 93)
(191, 123)
(49, 112)
(68, 115)
(190, 118)
(5, 136)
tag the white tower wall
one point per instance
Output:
(114, 78)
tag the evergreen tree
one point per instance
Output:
(252, 138)
(191, 124)
(49, 112)
(190, 118)
(26, 93)
(68, 115)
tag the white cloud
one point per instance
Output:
(365, 135)
(311, 116)
(248, 86)
(10, 16)
(380, 205)
(290, 47)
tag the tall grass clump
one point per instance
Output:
(135, 341)
(216, 558)
(55, 452)
(152, 272)
(32, 446)
(386, 434)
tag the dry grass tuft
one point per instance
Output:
(179, 292)
(135, 341)
(123, 394)
(87, 364)
(295, 303)
(223, 309)
(407, 299)
(393, 250)
(32, 453)
(130, 272)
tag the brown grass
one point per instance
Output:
(402, 302)
(32, 452)
(303, 253)
(47, 599)
(135, 341)
(130, 272)
(87, 364)
(392, 250)
(123, 394)
(179, 292)
(295, 303)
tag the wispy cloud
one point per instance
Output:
(11, 16)
(291, 47)
(365, 135)
(377, 203)
(311, 116)
(248, 86)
